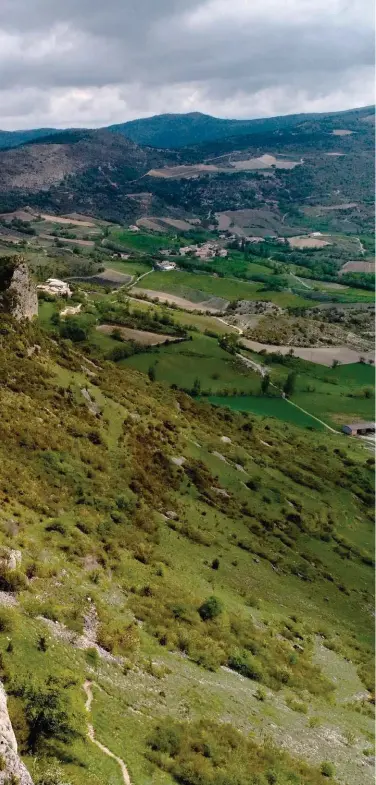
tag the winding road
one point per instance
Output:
(91, 734)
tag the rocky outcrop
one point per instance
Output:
(13, 770)
(18, 295)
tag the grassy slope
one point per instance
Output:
(103, 482)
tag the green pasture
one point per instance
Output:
(142, 241)
(335, 395)
(193, 286)
(201, 358)
(266, 407)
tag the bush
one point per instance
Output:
(6, 620)
(48, 713)
(210, 609)
(244, 664)
(327, 769)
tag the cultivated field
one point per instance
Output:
(323, 355)
(254, 222)
(164, 224)
(181, 302)
(262, 162)
(196, 287)
(308, 242)
(201, 358)
(358, 267)
(139, 336)
(267, 407)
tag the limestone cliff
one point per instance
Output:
(18, 294)
(13, 769)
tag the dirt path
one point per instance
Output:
(91, 735)
(263, 370)
(135, 282)
(311, 415)
(232, 326)
(306, 286)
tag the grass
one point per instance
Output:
(267, 407)
(45, 312)
(186, 318)
(141, 241)
(335, 395)
(84, 498)
(183, 284)
(129, 268)
(200, 358)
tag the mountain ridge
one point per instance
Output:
(185, 127)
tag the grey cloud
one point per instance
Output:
(137, 53)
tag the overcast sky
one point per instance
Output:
(95, 62)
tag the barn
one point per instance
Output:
(359, 428)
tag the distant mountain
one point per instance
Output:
(179, 130)
(16, 138)
(91, 171)
(106, 174)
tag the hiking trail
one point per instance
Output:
(91, 734)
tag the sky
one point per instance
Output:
(92, 63)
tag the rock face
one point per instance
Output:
(18, 295)
(8, 749)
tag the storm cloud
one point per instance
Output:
(96, 62)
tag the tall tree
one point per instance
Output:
(265, 383)
(289, 385)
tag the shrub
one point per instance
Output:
(210, 609)
(92, 656)
(327, 769)
(6, 620)
(243, 663)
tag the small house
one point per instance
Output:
(55, 287)
(165, 266)
(359, 429)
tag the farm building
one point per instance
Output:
(55, 287)
(359, 428)
(165, 266)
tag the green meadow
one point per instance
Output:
(199, 358)
(198, 286)
(266, 407)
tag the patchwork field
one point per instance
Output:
(229, 164)
(308, 242)
(212, 304)
(323, 355)
(358, 267)
(335, 395)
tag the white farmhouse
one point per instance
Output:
(165, 266)
(55, 287)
